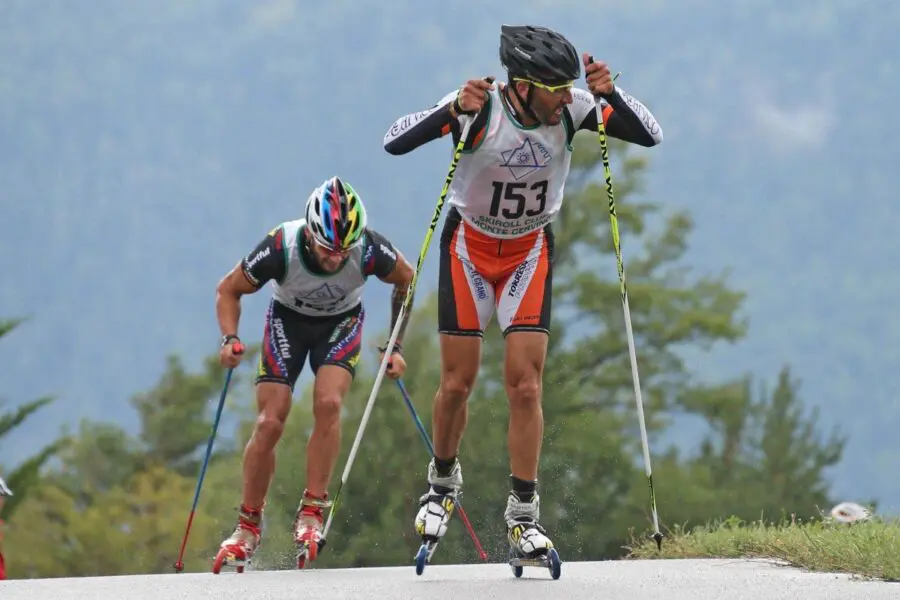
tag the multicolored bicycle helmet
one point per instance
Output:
(335, 215)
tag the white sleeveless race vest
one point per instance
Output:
(312, 294)
(511, 183)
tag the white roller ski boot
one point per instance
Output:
(437, 506)
(529, 545)
(238, 549)
(308, 528)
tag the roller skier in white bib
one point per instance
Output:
(317, 266)
(496, 250)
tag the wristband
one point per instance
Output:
(398, 349)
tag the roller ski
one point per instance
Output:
(436, 509)
(308, 529)
(237, 550)
(529, 545)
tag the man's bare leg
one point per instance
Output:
(273, 402)
(324, 446)
(322, 449)
(526, 353)
(460, 359)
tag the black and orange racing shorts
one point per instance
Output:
(480, 275)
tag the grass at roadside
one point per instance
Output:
(868, 549)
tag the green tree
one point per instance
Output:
(762, 458)
(100, 457)
(175, 420)
(130, 528)
(177, 414)
(23, 477)
(136, 479)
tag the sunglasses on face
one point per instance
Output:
(550, 88)
(328, 250)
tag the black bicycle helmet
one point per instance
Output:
(538, 53)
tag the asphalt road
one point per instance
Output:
(626, 580)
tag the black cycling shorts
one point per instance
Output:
(290, 337)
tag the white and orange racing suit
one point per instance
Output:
(496, 249)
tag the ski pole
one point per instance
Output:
(632, 355)
(179, 564)
(421, 427)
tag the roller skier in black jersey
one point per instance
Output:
(317, 266)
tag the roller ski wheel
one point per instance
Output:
(227, 557)
(555, 565)
(306, 554)
(423, 556)
(548, 560)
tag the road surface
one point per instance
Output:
(613, 580)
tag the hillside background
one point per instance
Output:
(146, 146)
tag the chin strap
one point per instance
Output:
(525, 102)
(307, 249)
